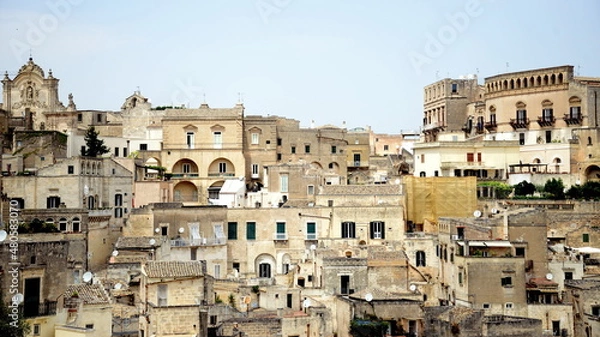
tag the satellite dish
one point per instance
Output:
(115, 253)
(18, 298)
(118, 286)
(369, 297)
(549, 276)
(3, 235)
(152, 242)
(87, 276)
(157, 230)
(313, 247)
(306, 303)
(412, 287)
(477, 213)
(181, 230)
(495, 211)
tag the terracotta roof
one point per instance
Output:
(171, 269)
(125, 242)
(88, 293)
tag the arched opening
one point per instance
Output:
(91, 202)
(264, 265)
(553, 79)
(556, 163)
(185, 168)
(538, 81)
(592, 173)
(152, 166)
(512, 84)
(214, 189)
(62, 224)
(286, 262)
(76, 224)
(185, 191)
(505, 85)
(545, 80)
(221, 167)
(560, 78)
(333, 166)
(518, 83)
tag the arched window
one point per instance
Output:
(556, 163)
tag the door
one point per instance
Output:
(344, 284)
(32, 297)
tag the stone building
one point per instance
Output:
(585, 297)
(173, 294)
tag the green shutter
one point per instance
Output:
(311, 228)
(232, 231)
(281, 227)
(251, 231)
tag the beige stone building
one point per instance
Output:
(173, 293)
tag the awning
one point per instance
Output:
(587, 250)
(486, 243)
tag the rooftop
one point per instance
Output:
(173, 269)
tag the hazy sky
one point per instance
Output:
(363, 62)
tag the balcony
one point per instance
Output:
(221, 174)
(573, 119)
(491, 125)
(311, 236)
(180, 175)
(198, 242)
(42, 309)
(545, 121)
(280, 236)
(519, 123)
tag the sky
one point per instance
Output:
(360, 62)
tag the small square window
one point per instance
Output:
(89, 326)
(307, 148)
(70, 169)
(586, 237)
(279, 141)
(508, 305)
(79, 117)
(143, 147)
(293, 149)
(485, 305)
(386, 147)
(37, 329)
(333, 149)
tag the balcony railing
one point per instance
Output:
(221, 174)
(42, 309)
(198, 242)
(491, 125)
(281, 236)
(546, 120)
(573, 119)
(184, 175)
(203, 146)
(519, 123)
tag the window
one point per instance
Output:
(493, 119)
(470, 157)
(311, 231)
(422, 158)
(356, 157)
(289, 300)
(189, 140)
(485, 305)
(76, 225)
(585, 237)
(377, 230)
(310, 190)
(348, 229)
(213, 320)
(116, 151)
(508, 305)
(255, 138)
(143, 147)
(575, 112)
(307, 148)
(454, 88)
(506, 281)
(52, 202)
(548, 136)
(521, 138)
(222, 167)
(99, 118)
(217, 139)
(254, 170)
(520, 252)
(547, 115)
(279, 142)
(251, 231)
(333, 149)
(280, 233)
(460, 278)
(62, 224)
(79, 117)
(161, 295)
(232, 231)
(568, 275)
(279, 156)
(217, 271)
(70, 169)
(283, 183)
(386, 147)
(186, 167)
(236, 266)
(264, 270)
(596, 310)
(19, 201)
(37, 329)
(83, 150)
(118, 205)
(124, 152)
(420, 259)
(293, 149)
(522, 116)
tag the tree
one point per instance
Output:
(555, 189)
(12, 324)
(94, 146)
(524, 188)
